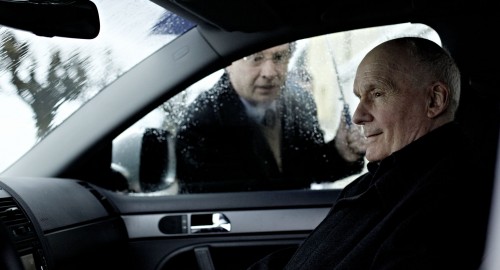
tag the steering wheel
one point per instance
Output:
(9, 258)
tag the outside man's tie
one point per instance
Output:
(269, 118)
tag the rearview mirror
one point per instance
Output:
(63, 18)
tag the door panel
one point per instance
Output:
(163, 235)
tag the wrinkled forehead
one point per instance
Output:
(384, 65)
(377, 67)
(280, 49)
(370, 75)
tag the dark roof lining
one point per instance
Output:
(265, 15)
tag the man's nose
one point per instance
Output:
(268, 68)
(361, 115)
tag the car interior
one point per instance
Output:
(73, 201)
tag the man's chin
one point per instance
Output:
(373, 156)
(265, 99)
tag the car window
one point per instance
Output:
(43, 80)
(201, 141)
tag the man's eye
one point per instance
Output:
(376, 94)
(258, 58)
(280, 57)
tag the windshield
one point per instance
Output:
(43, 80)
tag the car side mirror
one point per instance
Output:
(146, 159)
(63, 18)
(157, 161)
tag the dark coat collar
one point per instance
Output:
(397, 175)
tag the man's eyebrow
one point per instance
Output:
(366, 89)
(360, 91)
(356, 92)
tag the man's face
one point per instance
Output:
(259, 77)
(392, 106)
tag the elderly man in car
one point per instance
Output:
(424, 202)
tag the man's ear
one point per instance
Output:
(439, 99)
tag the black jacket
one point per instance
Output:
(424, 207)
(219, 148)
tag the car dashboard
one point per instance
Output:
(63, 223)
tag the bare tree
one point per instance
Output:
(63, 79)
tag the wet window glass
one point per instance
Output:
(43, 80)
(273, 120)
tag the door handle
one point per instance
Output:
(209, 223)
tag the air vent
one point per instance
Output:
(15, 220)
(22, 233)
(10, 213)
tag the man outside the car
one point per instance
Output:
(255, 131)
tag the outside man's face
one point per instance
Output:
(259, 77)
